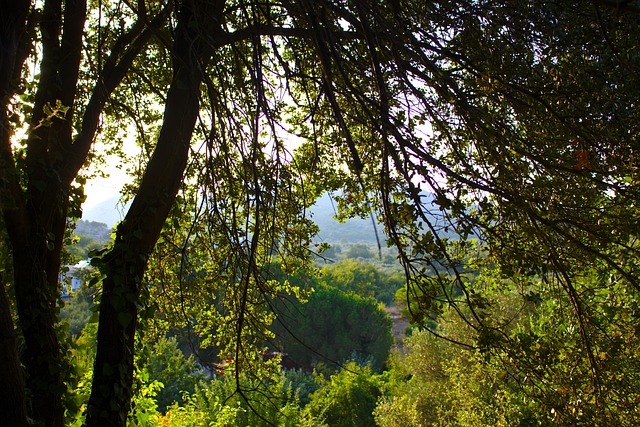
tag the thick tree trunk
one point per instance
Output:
(125, 264)
(31, 255)
(35, 218)
(36, 299)
(136, 236)
(36, 235)
(13, 407)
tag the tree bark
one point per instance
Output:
(35, 297)
(29, 271)
(13, 407)
(124, 265)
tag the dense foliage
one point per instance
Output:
(332, 327)
(362, 278)
(348, 398)
(540, 374)
(496, 142)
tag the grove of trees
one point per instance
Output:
(513, 125)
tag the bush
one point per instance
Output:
(348, 398)
(178, 374)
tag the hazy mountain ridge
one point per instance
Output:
(98, 231)
(353, 231)
(109, 212)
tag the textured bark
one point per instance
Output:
(125, 264)
(28, 266)
(13, 407)
(36, 220)
(41, 356)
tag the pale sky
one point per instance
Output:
(103, 193)
(100, 189)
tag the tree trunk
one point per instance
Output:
(32, 252)
(136, 236)
(36, 233)
(13, 408)
(36, 299)
(35, 217)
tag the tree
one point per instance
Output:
(359, 251)
(77, 309)
(348, 398)
(177, 373)
(519, 119)
(39, 191)
(60, 108)
(335, 326)
(540, 373)
(361, 278)
(531, 173)
(217, 403)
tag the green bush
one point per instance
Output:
(168, 365)
(348, 398)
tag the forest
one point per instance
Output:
(492, 146)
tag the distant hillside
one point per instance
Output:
(98, 231)
(353, 231)
(361, 230)
(91, 235)
(108, 212)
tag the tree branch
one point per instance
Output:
(123, 53)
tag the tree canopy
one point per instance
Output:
(513, 124)
(333, 327)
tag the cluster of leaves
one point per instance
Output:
(526, 362)
(177, 374)
(172, 393)
(323, 331)
(79, 310)
(362, 278)
(512, 124)
(347, 398)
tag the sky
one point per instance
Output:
(102, 203)
(100, 189)
(103, 194)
